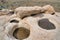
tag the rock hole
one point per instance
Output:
(33, 14)
(46, 24)
(14, 21)
(21, 33)
(24, 17)
(11, 12)
(52, 13)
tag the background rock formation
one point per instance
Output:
(40, 26)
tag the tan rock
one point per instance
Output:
(49, 9)
(6, 12)
(33, 28)
(43, 31)
(7, 29)
(38, 27)
(27, 11)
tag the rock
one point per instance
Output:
(38, 27)
(26, 11)
(6, 12)
(48, 30)
(30, 29)
(49, 9)
(8, 28)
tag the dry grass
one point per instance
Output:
(16, 3)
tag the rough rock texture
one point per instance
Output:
(41, 26)
(45, 34)
(27, 11)
(6, 12)
(49, 9)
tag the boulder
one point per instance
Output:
(36, 26)
(27, 11)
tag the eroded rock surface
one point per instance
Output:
(41, 26)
